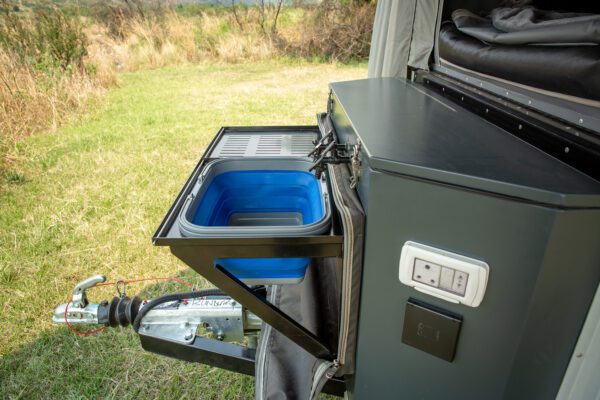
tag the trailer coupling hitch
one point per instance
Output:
(177, 317)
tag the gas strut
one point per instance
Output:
(176, 316)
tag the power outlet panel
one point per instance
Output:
(448, 276)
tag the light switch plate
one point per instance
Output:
(448, 276)
(431, 329)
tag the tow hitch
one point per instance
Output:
(176, 317)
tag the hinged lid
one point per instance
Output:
(408, 129)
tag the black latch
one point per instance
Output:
(328, 151)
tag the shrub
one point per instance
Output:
(45, 74)
(335, 29)
(49, 39)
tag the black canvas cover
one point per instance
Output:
(529, 25)
(571, 70)
(283, 369)
(326, 303)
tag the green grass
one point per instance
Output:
(87, 199)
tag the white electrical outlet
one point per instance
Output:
(449, 276)
(427, 272)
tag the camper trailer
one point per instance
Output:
(435, 234)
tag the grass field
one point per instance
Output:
(87, 198)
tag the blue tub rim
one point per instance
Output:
(217, 167)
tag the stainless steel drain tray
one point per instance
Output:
(264, 144)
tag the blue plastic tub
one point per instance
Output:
(261, 198)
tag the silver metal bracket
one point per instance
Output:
(355, 165)
(79, 292)
(223, 318)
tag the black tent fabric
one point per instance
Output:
(571, 70)
(529, 25)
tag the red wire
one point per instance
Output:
(73, 329)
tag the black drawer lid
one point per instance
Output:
(408, 129)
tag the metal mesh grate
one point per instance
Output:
(264, 145)
(269, 145)
(234, 146)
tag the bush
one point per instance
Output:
(333, 30)
(45, 75)
(50, 39)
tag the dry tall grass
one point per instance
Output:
(156, 41)
(62, 62)
(32, 100)
(45, 76)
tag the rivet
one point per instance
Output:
(520, 126)
(581, 120)
(528, 101)
(566, 149)
(487, 110)
(462, 98)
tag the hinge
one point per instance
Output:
(355, 165)
(328, 151)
